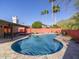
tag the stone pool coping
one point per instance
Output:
(10, 54)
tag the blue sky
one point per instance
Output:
(29, 11)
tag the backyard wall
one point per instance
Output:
(43, 30)
(73, 33)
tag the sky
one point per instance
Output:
(29, 11)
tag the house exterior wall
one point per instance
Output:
(2, 30)
(21, 29)
(8, 28)
(5, 28)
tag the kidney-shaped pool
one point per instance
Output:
(37, 45)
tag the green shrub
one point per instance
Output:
(37, 24)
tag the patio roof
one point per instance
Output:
(4, 21)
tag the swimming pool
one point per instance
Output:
(37, 45)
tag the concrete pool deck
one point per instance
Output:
(7, 53)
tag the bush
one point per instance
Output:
(55, 26)
(37, 24)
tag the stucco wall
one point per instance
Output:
(73, 33)
(43, 30)
(21, 29)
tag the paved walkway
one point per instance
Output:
(72, 51)
(7, 53)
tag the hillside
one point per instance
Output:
(72, 23)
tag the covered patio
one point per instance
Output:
(11, 30)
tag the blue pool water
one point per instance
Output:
(37, 45)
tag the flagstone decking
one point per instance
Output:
(7, 53)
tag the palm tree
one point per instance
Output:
(77, 4)
(52, 0)
(55, 8)
(44, 12)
